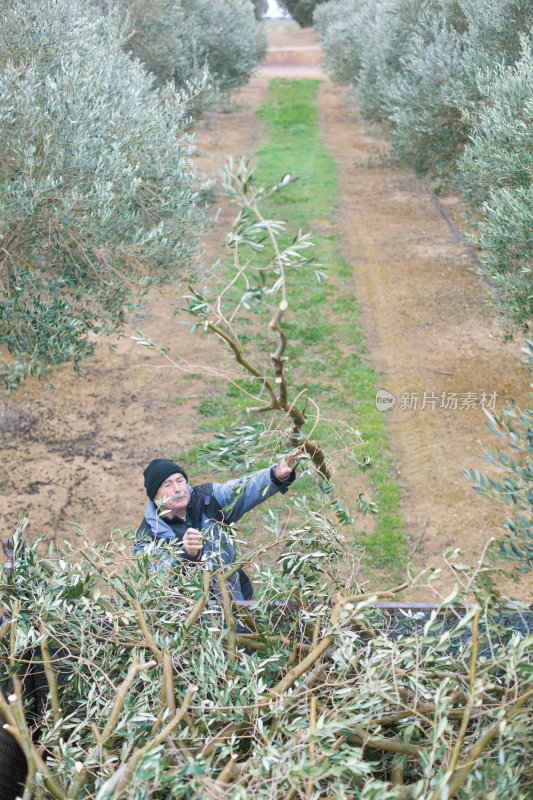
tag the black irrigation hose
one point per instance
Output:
(454, 229)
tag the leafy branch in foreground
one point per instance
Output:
(262, 265)
(514, 429)
(156, 691)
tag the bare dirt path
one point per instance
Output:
(74, 449)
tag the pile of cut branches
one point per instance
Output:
(153, 689)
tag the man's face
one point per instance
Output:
(173, 495)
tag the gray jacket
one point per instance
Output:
(209, 505)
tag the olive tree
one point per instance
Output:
(301, 10)
(260, 8)
(98, 195)
(451, 85)
(497, 179)
(179, 40)
(414, 66)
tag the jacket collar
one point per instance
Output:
(160, 526)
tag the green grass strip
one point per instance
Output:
(325, 323)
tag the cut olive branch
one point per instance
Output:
(248, 228)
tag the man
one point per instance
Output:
(191, 516)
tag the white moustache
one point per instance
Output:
(178, 495)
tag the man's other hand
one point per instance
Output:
(286, 465)
(192, 542)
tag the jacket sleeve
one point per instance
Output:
(239, 496)
(143, 538)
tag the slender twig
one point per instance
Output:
(240, 270)
(194, 369)
(225, 773)
(118, 782)
(397, 771)
(51, 676)
(229, 619)
(200, 603)
(362, 738)
(463, 771)
(168, 682)
(243, 361)
(251, 644)
(390, 719)
(312, 729)
(121, 695)
(156, 650)
(358, 598)
(454, 758)
(278, 359)
(160, 712)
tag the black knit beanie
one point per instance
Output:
(158, 471)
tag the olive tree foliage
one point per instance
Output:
(496, 170)
(513, 457)
(450, 84)
(98, 195)
(301, 11)
(260, 8)
(436, 87)
(414, 65)
(180, 40)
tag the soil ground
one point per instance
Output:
(74, 448)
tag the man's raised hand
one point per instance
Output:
(192, 542)
(286, 465)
